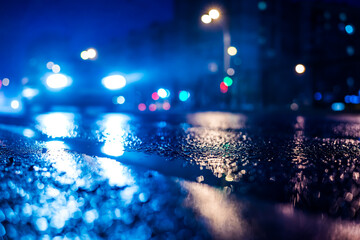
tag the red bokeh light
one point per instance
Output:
(142, 107)
(152, 107)
(223, 87)
(166, 106)
(155, 96)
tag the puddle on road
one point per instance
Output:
(295, 161)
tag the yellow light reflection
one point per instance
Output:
(210, 131)
(218, 120)
(345, 230)
(220, 212)
(299, 159)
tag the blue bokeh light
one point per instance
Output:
(184, 96)
(349, 29)
(317, 96)
(338, 106)
(347, 99)
(262, 6)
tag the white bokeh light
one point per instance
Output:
(114, 82)
(206, 19)
(57, 81)
(214, 13)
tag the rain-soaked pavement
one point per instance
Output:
(207, 175)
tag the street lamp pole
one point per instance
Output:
(214, 14)
(227, 42)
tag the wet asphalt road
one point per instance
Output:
(207, 175)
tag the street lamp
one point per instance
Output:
(89, 54)
(212, 15)
(232, 51)
(300, 69)
(206, 19)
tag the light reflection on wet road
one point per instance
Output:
(263, 177)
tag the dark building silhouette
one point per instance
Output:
(312, 33)
(272, 37)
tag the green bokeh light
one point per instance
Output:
(228, 81)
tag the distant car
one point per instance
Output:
(10, 105)
(78, 84)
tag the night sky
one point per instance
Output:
(86, 23)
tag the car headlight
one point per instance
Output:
(58, 81)
(114, 82)
(29, 93)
